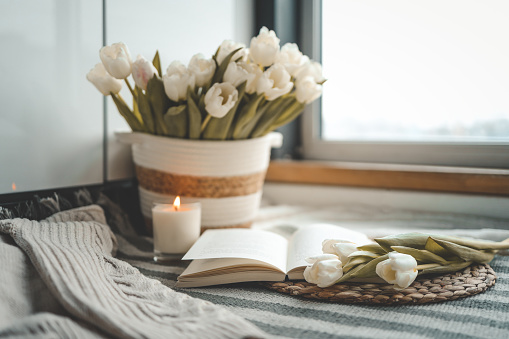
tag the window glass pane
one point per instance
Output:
(405, 70)
(51, 117)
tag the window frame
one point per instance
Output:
(456, 154)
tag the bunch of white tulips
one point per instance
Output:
(239, 93)
(397, 259)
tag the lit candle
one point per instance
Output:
(176, 228)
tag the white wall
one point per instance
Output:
(50, 116)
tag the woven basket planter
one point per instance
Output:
(226, 177)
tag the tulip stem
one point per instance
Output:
(205, 122)
(425, 266)
(130, 88)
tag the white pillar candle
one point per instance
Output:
(176, 227)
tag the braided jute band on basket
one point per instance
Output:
(199, 187)
(432, 289)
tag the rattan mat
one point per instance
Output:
(432, 289)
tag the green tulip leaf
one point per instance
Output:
(247, 114)
(146, 112)
(451, 267)
(374, 247)
(466, 253)
(293, 112)
(353, 262)
(278, 108)
(128, 115)
(195, 116)
(217, 128)
(435, 248)
(423, 256)
(414, 240)
(367, 270)
(215, 54)
(136, 110)
(418, 240)
(363, 254)
(176, 110)
(476, 243)
(176, 125)
(157, 63)
(159, 102)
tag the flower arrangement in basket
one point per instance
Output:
(397, 259)
(239, 93)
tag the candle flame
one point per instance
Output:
(176, 203)
(13, 186)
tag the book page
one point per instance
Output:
(241, 243)
(307, 242)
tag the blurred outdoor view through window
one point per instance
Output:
(400, 70)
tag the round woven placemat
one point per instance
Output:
(469, 281)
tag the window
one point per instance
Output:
(416, 82)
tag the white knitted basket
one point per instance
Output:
(167, 167)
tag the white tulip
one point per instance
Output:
(176, 67)
(324, 270)
(400, 269)
(202, 68)
(264, 47)
(103, 81)
(229, 46)
(117, 60)
(307, 90)
(220, 99)
(291, 57)
(238, 72)
(177, 80)
(341, 248)
(143, 71)
(310, 68)
(274, 82)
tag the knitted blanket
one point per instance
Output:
(59, 278)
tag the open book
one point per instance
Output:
(235, 255)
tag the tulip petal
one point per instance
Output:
(218, 129)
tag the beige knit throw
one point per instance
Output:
(71, 286)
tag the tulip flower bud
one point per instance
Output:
(307, 90)
(143, 71)
(291, 57)
(324, 271)
(229, 46)
(202, 68)
(238, 72)
(264, 47)
(220, 99)
(176, 81)
(274, 82)
(117, 60)
(103, 81)
(341, 248)
(400, 269)
(311, 68)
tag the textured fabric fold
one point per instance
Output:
(71, 252)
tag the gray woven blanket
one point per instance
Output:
(482, 316)
(60, 279)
